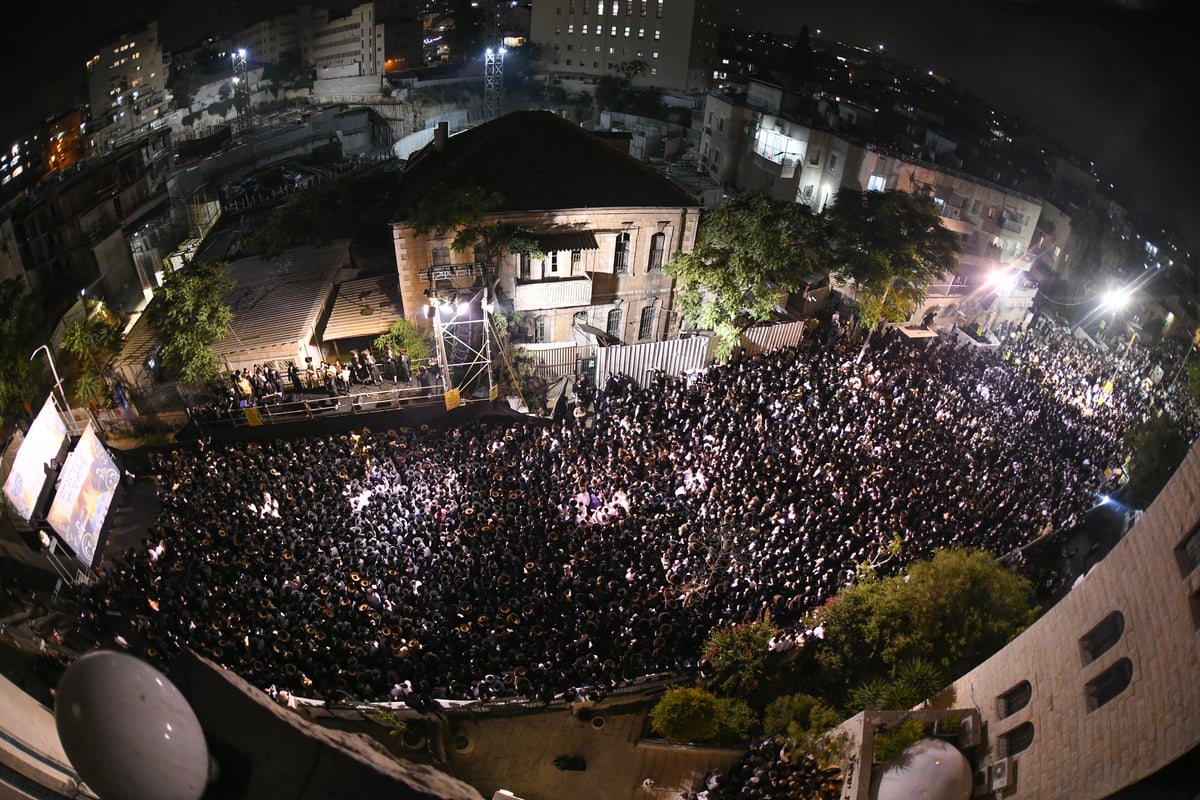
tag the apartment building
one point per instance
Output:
(369, 39)
(605, 226)
(127, 80)
(671, 44)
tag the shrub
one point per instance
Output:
(738, 721)
(797, 715)
(893, 743)
(737, 656)
(686, 714)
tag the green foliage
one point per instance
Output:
(889, 246)
(185, 81)
(873, 695)
(1193, 379)
(891, 744)
(798, 715)
(355, 208)
(21, 331)
(462, 211)
(736, 656)
(388, 718)
(189, 314)
(686, 714)
(954, 610)
(922, 676)
(748, 253)
(737, 720)
(403, 334)
(94, 342)
(1156, 447)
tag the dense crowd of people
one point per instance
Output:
(548, 559)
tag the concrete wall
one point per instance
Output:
(1078, 750)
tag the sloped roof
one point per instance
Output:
(537, 161)
(365, 307)
(279, 300)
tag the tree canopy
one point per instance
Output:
(748, 253)
(189, 314)
(21, 331)
(952, 611)
(1156, 448)
(889, 246)
(94, 341)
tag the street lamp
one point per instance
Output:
(54, 372)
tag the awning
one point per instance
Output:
(918, 333)
(566, 240)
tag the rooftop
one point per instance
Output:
(537, 161)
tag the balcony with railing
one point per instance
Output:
(564, 293)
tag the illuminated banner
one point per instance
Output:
(41, 444)
(85, 491)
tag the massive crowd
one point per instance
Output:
(546, 559)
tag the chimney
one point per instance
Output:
(440, 136)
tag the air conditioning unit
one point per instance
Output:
(999, 774)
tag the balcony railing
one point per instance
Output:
(450, 272)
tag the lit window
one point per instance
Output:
(627, 30)
(584, 30)
(658, 12)
(612, 31)
(641, 33)
(600, 7)
(876, 183)
(616, 7)
(571, 30)
(657, 34)
(654, 54)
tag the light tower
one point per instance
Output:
(493, 65)
(241, 90)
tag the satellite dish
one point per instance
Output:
(128, 731)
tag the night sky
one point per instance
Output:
(1112, 79)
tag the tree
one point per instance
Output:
(403, 334)
(21, 331)
(889, 246)
(1156, 447)
(94, 341)
(686, 714)
(736, 656)
(185, 81)
(748, 253)
(952, 611)
(189, 314)
(798, 715)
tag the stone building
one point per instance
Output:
(1102, 691)
(604, 225)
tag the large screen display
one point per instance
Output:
(41, 444)
(85, 490)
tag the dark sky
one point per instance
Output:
(1112, 79)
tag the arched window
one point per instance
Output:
(1100, 639)
(1108, 684)
(658, 247)
(621, 254)
(646, 324)
(614, 323)
(1016, 740)
(1014, 699)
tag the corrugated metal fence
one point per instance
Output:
(772, 337)
(673, 357)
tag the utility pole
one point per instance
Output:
(241, 91)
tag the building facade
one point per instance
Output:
(127, 81)
(1102, 691)
(603, 226)
(750, 141)
(671, 44)
(369, 39)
